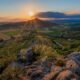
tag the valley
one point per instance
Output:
(39, 45)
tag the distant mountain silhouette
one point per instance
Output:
(51, 15)
(59, 17)
(56, 15)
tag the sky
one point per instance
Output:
(20, 8)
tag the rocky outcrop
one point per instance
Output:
(70, 71)
(67, 75)
(73, 66)
(34, 72)
(75, 56)
(53, 74)
(45, 69)
(28, 57)
(73, 62)
(47, 65)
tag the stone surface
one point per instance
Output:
(75, 56)
(53, 74)
(73, 62)
(67, 75)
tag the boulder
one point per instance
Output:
(75, 56)
(73, 66)
(47, 65)
(37, 75)
(34, 72)
(27, 57)
(67, 75)
(73, 62)
(53, 74)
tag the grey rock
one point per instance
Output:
(73, 62)
(75, 56)
(28, 58)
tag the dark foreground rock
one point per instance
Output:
(28, 57)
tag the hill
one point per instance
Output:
(27, 24)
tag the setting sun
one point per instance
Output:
(30, 13)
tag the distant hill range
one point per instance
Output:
(58, 17)
(49, 16)
(35, 23)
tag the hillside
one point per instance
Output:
(39, 50)
(30, 23)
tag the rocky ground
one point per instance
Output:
(67, 68)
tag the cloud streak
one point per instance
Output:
(73, 12)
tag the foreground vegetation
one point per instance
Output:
(50, 43)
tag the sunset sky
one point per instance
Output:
(20, 8)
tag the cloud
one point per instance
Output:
(5, 19)
(73, 12)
